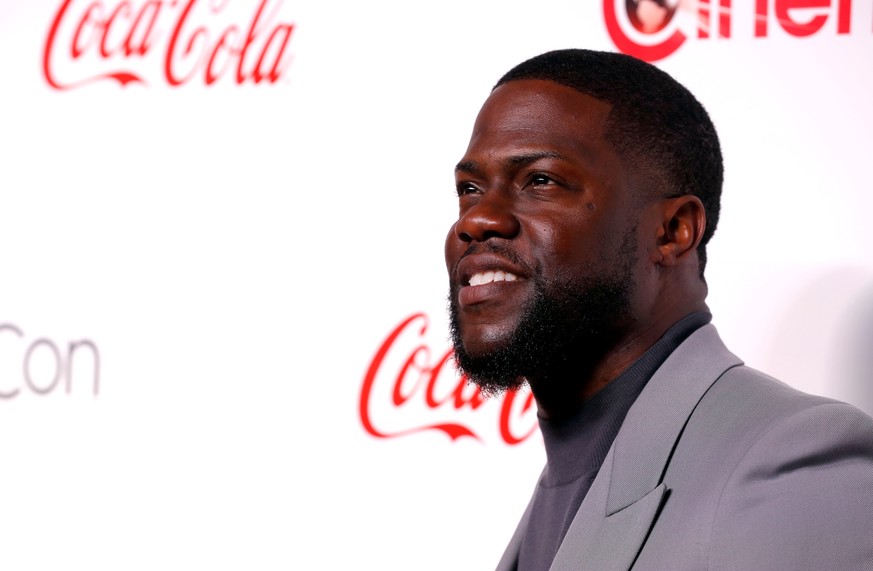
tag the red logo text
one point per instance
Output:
(653, 29)
(405, 375)
(176, 41)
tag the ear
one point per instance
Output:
(682, 222)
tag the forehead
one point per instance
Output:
(540, 112)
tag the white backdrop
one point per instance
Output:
(227, 260)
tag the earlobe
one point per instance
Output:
(683, 221)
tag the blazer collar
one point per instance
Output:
(615, 518)
(655, 422)
(616, 515)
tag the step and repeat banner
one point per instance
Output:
(223, 341)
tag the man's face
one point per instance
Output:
(542, 258)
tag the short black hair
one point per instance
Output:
(655, 123)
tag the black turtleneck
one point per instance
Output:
(576, 447)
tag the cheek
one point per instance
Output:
(561, 245)
(450, 248)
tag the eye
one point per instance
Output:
(465, 188)
(540, 179)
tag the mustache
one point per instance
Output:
(497, 248)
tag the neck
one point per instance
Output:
(562, 391)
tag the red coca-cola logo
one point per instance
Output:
(409, 388)
(173, 41)
(654, 29)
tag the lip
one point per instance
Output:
(486, 262)
(472, 264)
(474, 295)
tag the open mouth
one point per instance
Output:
(482, 278)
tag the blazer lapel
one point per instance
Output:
(614, 520)
(509, 561)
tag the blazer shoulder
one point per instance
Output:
(761, 401)
(761, 471)
(800, 494)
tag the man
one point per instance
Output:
(587, 194)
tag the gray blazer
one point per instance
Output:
(718, 466)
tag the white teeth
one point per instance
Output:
(495, 276)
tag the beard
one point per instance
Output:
(564, 326)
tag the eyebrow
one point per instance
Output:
(473, 167)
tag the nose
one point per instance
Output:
(491, 216)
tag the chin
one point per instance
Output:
(488, 374)
(484, 341)
(487, 360)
